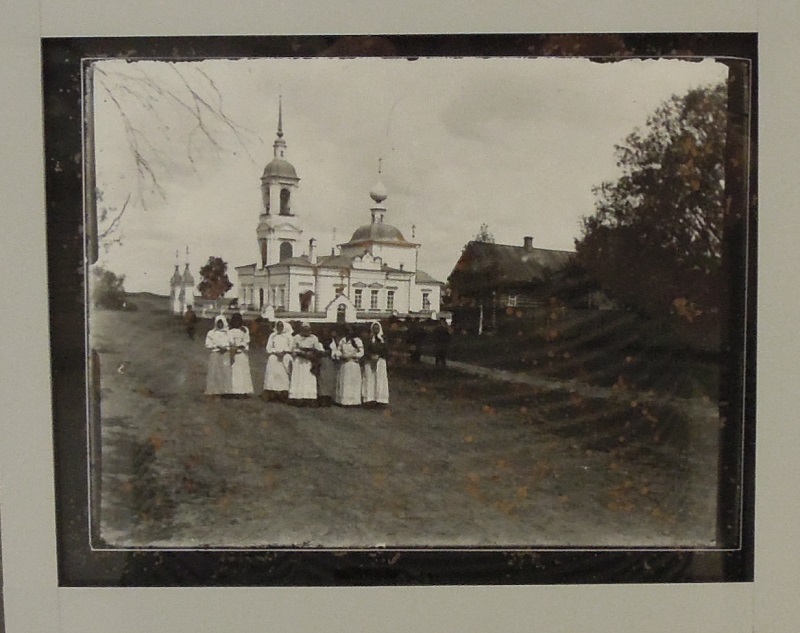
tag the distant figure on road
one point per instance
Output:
(279, 363)
(351, 351)
(239, 341)
(441, 343)
(306, 350)
(375, 379)
(218, 376)
(190, 322)
(415, 338)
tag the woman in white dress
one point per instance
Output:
(306, 351)
(375, 379)
(279, 363)
(218, 376)
(351, 351)
(239, 340)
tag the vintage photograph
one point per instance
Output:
(390, 302)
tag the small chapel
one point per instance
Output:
(181, 287)
(372, 275)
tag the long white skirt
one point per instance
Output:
(375, 382)
(218, 376)
(241, 380)
(348, 385)
(278, 373)
(303, 383)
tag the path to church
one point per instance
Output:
(181, 470)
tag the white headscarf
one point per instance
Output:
(287, 327)
(379, 335)
(220, 318)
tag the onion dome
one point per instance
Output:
(378, 231)
(187, 276)
(378, 192)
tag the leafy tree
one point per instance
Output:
(214, 282)
(655, 239)
(108, 290)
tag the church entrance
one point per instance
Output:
(341, 313)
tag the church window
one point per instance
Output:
(274, 296)
(426, 301)
(282, 303)
(266, 199)
(357, 298)
(512, 300)
(285, 208)
(286, 250)
(373, 300)
(260, 297)
(390, 299)
(263, 253)
(305, 300)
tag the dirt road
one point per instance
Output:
(434, 469)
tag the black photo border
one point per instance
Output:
(69, 237)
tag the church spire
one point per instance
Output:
(279, 147)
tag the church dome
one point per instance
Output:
(378, 231)
(280, 168)
(378, 192)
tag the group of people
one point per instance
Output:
(304, 369)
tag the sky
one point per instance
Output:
(515, 143)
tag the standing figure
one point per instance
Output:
(190, 322)
(279, 363)
(441, 343)
(375, 380)
(239, 340)
(415, 338)
(306, 350)
(348, 386)
(328, 367)
(218, 377)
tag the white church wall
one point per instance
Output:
(396, 257)
(433, 292)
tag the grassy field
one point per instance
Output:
(455, 460)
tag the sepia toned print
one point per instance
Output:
(420, 304)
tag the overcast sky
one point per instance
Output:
(517, 144)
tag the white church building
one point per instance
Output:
(181, 288)
(373, 275)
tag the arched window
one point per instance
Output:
(341, 313)
(285, 195)
(286, 250)
(265, 196)
(263, 253)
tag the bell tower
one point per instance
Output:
(279, 228)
